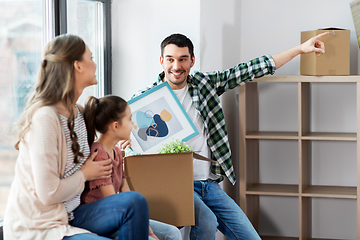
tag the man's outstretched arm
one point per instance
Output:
(311, 45)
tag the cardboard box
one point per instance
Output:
(335, 60)
(166, 181)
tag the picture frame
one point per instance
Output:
(158, 118)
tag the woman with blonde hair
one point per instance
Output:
(54, 160)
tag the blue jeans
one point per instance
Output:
(165, 231)
(162, 230)
(214, 209)
(126, 212)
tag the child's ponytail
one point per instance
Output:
(100, 113)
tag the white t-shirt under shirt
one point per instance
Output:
(198, 143)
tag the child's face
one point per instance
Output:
(126, 125)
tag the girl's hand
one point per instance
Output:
(152, 234)
(125, 144)
(93, 170)
(124, 186)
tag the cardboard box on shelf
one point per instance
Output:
(166, 181)
(335, 60)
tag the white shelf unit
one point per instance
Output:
(307, 193)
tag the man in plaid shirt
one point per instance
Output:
(199, 94)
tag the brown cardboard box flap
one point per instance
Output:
(195, 155)
(200, 157)
(331, 28)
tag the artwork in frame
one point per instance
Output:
(158, 118)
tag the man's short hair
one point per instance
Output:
(180, 41)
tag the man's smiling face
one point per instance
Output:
(176, 62)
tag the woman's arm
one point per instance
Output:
(44, 141)
(93, 170)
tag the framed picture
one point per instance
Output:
(158, 118)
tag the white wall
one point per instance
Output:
(138, 27)
(220, 49)
(225, 33)
(279, 29)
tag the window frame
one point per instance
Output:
(60, 27)
(54, 24)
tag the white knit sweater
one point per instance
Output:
(35, 208)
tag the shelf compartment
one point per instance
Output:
(273, 135)
(278, 113)
(279, 216)
(278, 162)
(327, 215)
(273, 190)
(326, 136)
(330, 192)
(325, 164)
(332, 107)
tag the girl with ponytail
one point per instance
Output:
(110, 117)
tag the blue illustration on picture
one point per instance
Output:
(154, 123)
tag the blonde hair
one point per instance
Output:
(55, 84)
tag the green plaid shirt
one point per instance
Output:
(205, 89)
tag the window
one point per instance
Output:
(25, 27)
(87, 19)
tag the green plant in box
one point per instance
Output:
(175, 146)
